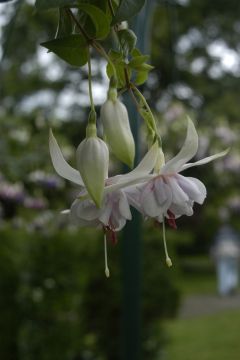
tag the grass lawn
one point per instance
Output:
(215, 337)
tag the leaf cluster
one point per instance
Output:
(81, 23)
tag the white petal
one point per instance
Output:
(205, 160)
(163, 194)
(124, 207)
(178, 195)
(60, 164)
(85, 210)
(193, 187)
(75, 219)
(149, 202)
(188, 150)
(182, 209)
(117, 222)
(133, 194)
(106, 212)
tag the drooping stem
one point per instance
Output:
(168, 260)
(111, 8)
(153, 122)
(102, 52)
(149, 126)
(90, 82)
(107, 272)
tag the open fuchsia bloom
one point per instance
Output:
(157, 192)
(169, 194)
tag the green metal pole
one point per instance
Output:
(132, 240)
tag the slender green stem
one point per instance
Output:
(154, 125)
(93, 42)
(101, 51)
(90, 82)
(111, 8)
(149, 126)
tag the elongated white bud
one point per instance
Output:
(114, 117)
(92, 162)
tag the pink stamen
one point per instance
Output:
(111, 235)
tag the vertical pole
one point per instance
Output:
(131, 239)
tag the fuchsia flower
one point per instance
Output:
(114, 210)
(169, 194)
(163, 194)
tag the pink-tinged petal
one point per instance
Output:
(163, 194)
(193, 187)
(117, 222)
(149, 202)
(59, 163)
(205, 160)
(75, 219)
(85, 210)
(106, 212)
(133, 195)
(180, 209)
(124, 207)
(178, 195)
(187, 152)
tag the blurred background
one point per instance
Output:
(55, 302)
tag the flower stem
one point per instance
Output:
(111, 8)
(102, 52)
(153, 122)
(168, 260)
(90, 82)
(107, 272)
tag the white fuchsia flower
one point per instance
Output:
(168, 194)
(114, 211)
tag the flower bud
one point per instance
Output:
(92, 163)
(117, 129)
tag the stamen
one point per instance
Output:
(171, 220)
(168, 260)
(107, 272)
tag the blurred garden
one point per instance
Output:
(55, 301)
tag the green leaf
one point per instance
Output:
(127, 40)
(73, 49)
(119, 64)
(51, 4)
(141, 77)
(136, 52)
(64, 24)
(127, 9)
(100, 20)
(138, 61)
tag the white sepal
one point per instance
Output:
(59, 163)
(114, 117)
(186, 153)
